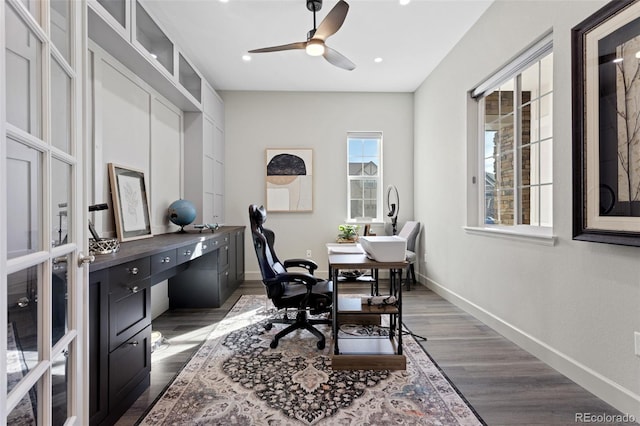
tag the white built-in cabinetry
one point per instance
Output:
(130, 33)
(204, 158)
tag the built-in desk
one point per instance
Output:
(203, 270)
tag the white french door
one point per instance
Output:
(42, 212)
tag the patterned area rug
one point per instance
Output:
(236, 379)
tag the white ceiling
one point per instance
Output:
(411, 39)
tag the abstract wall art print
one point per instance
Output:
(289, 180)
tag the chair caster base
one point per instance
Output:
(320, 344)
(268, 326)
(273, 344)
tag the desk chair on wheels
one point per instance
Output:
(301, 291)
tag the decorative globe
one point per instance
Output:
(182, 213)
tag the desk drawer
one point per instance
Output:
(192, 251)
(129, 311)
(163, 261)
(122, 275)
(129, 364)
(223, 257)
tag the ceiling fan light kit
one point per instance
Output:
(315, 47)
(315, 44)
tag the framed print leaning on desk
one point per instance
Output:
(130, 203)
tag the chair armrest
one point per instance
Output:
(307, 264)
(296, 277)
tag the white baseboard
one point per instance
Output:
(609, 391)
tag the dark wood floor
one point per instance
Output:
(503, 383)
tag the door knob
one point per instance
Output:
(85, 260)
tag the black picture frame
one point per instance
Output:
(605, 207)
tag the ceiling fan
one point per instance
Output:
(315, 44)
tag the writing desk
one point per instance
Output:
(367, 353)
(203, 269)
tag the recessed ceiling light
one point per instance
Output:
(404, 2)
(246, 58)
(377, 60)
(224, 1)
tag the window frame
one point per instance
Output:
(377, 135)
(512, 71)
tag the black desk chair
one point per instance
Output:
(289, 290)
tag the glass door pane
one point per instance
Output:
(23, 333)
(61, 111)
(61, 202)
(23, 75)
(24, 199)
(61, 27)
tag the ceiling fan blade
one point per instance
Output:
(333, 21)
(290, 46)
(337, 59)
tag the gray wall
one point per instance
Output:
(255, 121)
(575, 305)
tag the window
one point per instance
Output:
(364, 176)
(516, 141)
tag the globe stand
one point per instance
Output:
(182, 213)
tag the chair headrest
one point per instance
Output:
(258, 215)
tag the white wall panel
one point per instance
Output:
(259, 120)
(575, 305)
(166, 155)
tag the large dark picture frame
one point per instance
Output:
(606, 125)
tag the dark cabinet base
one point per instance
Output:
(203, 270)
(202, 285)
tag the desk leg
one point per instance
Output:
(334, 311)
(393, 291)
(399, 296)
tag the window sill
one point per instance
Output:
(537, 236)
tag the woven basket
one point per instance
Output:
(104, 245)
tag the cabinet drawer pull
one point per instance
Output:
(187, 253)
(134, 289)
(134, 343)
(133, 271)
(166, 260)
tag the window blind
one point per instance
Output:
(521, 62)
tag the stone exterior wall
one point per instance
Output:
(499, 112)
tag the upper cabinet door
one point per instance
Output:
(153, 39)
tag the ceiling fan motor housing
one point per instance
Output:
(314, 5)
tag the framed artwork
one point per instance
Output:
(289, 181)
(606, 125)
(130, 203)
